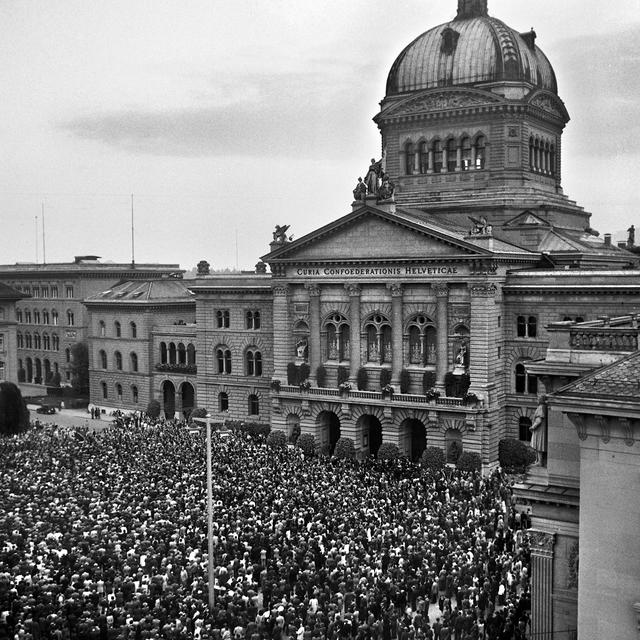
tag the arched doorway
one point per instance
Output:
(328, 429)
(168, 399)
(371, 429)
(415, 439)
(452, 445)
(187, 394)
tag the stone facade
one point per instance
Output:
(8, 334)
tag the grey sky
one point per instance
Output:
(225, 117)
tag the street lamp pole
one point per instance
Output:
(210, 563)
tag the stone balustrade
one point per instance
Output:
(604, 339)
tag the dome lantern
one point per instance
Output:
(472, 9)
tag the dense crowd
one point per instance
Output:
(103, 535)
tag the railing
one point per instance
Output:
(377, 396)
(604, 339)
(177, 368)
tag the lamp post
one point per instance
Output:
(210, 562)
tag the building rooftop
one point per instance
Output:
(144, 292)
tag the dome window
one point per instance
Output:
(449, 41)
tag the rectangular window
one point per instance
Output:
(222, 318)
(71, 318)
(69, 291)
(45, 291)
(36, 291)
(27, 317)
(54, 291)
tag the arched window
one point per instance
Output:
(436, 148)
(552, 160)
(547, 158)
(480, 147)
(36, 317)
(37, 341)
(67, 356)
(102, 329)
(409, 158)
(378, 332)
(45, 317)
(118, 358)
(223, 401)
(524, 426)
(172, 353)
(118, 329)
(55, 342)
(133, 329)
(254, 405)
(29, 363)
(119, 392)
(254, 363)
(54, 318)
(134, 394)
(163, 352)
(252, 319)
(105, 394)
(524, 382)
(424, 157)
(20, 340)
(422, 341)
(27, 316)
(301, 340)
(134, 362)
(452, 154)
(46, 342)
(182, 354)
(337, 337)
(28, 340)
(532, 154)
(191, 354)
(223, 358)
(222, 316)
(71, 318)
(465, 145)
(102, 355)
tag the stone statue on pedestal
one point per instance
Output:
(373, 174)
(360, 191)
(280, 234)
(539, 430)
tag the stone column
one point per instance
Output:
(282, 350)
(541, 582)
(315, 357)
(354, 330)
(442, 313)
(396, 332)
(483, 330)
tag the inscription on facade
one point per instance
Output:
(368, 272)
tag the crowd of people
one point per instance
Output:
(103, 534)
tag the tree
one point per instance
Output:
(345, 448)
(80, 368)
(14, 415)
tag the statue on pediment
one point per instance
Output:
(360, 191)
(387, 189)
(373, 176)
(280, 234)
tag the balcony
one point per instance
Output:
(189, 369)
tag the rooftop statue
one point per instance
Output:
(280, 234)
(373, 176)
(360, 191)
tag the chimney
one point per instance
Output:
(607, 239)
(472, 9)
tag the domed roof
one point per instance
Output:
(474, 48)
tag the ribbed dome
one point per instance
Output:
(469, 51)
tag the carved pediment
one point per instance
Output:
(444, 100)
(527, 218)
(373, 235)
(549, 103)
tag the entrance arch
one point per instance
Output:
(187, 396)
(371, 429)
(168, 399)
(328, 430)
(415, 437)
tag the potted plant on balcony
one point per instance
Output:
(470, 398)
(432, 395)
(305, 385)
(387, 391)
(345, 388)
(275, 385)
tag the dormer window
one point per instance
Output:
(449, 41)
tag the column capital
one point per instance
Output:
(280, 289)
(542, 542)
(313, 289)
(353, 288)
(395, 288)
(483, 290)
(441, 289)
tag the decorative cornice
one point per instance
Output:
(280, 289)
(581, 425)
(603, 423)
(629, 440)
(483, 290)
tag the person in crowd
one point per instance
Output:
(103, 534)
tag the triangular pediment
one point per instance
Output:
(372, 234)
(527, 218)
(440, 100)
(550, 103)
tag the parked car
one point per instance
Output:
(46, 409)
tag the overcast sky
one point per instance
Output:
(227, 118)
